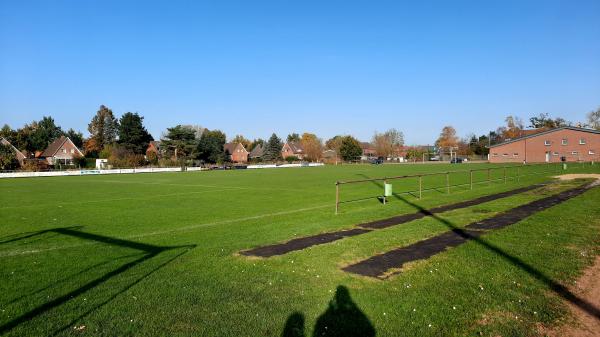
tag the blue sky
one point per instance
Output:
(328, 67)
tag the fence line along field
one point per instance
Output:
(167, 254)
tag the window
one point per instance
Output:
(564, 141)
(547, 142)
(505, 155)
(72, 150)
(591, 152)
(495, 155)
(555, 154)
(582, 141)
(574, 153)
(64, 150)
(515, 154)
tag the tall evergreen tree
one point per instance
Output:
(103, 127)
(210, 147)
(350, 148)
(76, 137)
(132, 133)
(45, 132)
(272, 150)
(293, 137)
(179, 142)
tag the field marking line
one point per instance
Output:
(180, 229)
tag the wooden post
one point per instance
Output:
(471, 178)
(337, 196)
(384, 197)
(448, 182)
(420, 187)
(505, 174)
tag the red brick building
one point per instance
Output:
(292, 149)
(551, 146)
(61, 151)
(237, 152)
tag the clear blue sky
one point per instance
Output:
(328, 67)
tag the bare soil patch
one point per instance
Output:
(585, 324)
(578, 176)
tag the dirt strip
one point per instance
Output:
(319, 239)
(379, 265)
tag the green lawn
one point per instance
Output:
(157, 254)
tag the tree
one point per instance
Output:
(242, 140)
(76, 137)
(104, 127)
(45, 132)
(334, 143)
(293, 137)
(350, 149)
(8, 133)
(198, 130)
(514, 128)
(415, 153)
(388, 143)
(447, 138)
(179, 142)
(133, 135)
(272, 150)
(210, 147)
(255, 143)
(8, 158)
(593, 119)
(313, 146)
(545, 121)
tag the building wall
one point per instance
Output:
(67, 151)
(534, 149)
(286, 151)
(239, 155)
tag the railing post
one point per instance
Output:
(505, 174)
(337, 196)
(420, 187)
(448, 182)
(471, 178)
(518, 178)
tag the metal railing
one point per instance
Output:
(518, 174)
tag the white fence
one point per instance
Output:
(133, 170)
(284, 165)
(88, 172)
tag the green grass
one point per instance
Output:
(156, 254)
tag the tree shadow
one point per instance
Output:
(556, 287)
(343, 318)
(148, 252)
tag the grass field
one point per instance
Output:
(157, 255)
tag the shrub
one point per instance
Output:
(291, 159)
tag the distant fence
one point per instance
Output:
(463, 177)
(84, 172)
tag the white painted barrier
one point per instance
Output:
(284, 165)
(134, 170)
(88, 172)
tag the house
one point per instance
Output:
(20, 156)
(153, 147)
(368, 151)
(61, 151)
(566, 143)
(257, 152)
(292, 149)
(237, 152)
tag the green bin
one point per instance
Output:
(387, 190)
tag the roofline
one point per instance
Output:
(546, 132)
(63, 143)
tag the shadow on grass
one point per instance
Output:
(343, 318)
(148, 252)
(556, 287)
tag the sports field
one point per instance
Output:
(163, 254)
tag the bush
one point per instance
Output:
(80, 162)
(35, 165)
(291, 159)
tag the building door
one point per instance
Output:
(547, 157)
